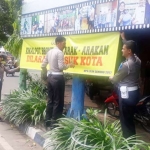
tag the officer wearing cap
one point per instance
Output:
(127, 79)
(56, 82)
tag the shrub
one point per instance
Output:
(26, 106)
(36, 86)
(23, 106)
(90, 134)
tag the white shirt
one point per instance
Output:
(55, 59)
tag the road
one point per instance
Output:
(10, 137)
(10, 83)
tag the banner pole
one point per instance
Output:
(76, 110)
(22, 79)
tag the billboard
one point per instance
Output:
(41, 18)
(93, 54)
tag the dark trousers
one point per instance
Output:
(127, 109)
(55, 104)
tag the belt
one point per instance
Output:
(55, 73)
(133, 88)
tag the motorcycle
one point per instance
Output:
(94, 86)
(11, 65)
(142, 113)
(91, 89)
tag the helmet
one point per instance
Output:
(3, 56)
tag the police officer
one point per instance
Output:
(127, 79)
(56, 82)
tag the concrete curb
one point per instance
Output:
(35, 134)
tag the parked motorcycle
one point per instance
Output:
(94, 86)
(91, 89)
(10, 67)
(142, 113)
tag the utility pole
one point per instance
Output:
(76, 110)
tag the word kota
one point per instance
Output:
(94, 61)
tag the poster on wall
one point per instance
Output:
(106, 14)
(37, 24)
(131, 12)
(66, 20)
(93, 58)
(26, 25)
(80, 16)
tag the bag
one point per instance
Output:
(124, 92)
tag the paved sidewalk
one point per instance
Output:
(12, 139)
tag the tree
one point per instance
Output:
(14, 43)
(15, 8)
(6, 28)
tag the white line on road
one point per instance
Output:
(4, 143)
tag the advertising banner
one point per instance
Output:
(79, 16)
(92, 54)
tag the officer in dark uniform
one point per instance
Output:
(127, 79)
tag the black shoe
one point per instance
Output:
(47, 125)
(53, 124)
(48, 128)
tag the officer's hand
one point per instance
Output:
(44, 74)
(122, 35)
(71, 65)
(110, 78)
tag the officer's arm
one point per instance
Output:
(45, 62)
(43, 66)
(122, 34)
(44, 69)
(120, 75)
